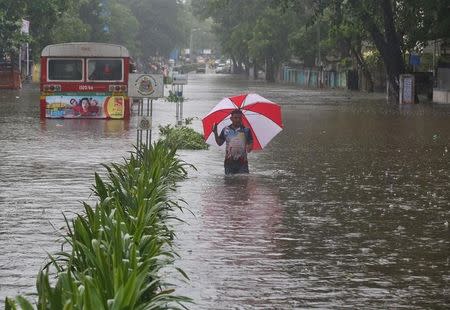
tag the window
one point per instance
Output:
(65, 69)
(105, 70)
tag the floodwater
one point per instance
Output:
(348, 207)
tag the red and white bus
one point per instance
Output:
(85, 80)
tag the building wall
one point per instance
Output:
(313, 78)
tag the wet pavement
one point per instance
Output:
(348, 207)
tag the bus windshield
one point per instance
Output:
(104, 69)
(65, 69)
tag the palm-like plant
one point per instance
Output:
(117, 249)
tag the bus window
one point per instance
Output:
(105, 69)
(65, 69)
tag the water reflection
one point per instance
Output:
(248, 207)
(238, 228)
(102, 127)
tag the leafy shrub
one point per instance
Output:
(117, 249)
(173, 97)
(182, 137)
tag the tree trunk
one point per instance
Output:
(255, 70)
(388, 44)
(365, 70)
(234, 64)
(247, 67)
(270, 70)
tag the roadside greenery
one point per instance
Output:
(319, 32)
(113, 253)
(182, 137)
(145, 27)
(173, 97)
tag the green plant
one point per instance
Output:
(173, 97)
(116, 250)
(188, 121)
(182, 137)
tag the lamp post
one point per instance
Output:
(191, 43)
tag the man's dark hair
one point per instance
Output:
(236, 111)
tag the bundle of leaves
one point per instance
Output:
(182, 137)
(173, 97)
(117, 249)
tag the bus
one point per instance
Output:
(85, 80)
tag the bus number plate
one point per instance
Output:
(86, 87)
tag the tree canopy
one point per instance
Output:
(146, 27)
(276, 30)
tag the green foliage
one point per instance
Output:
(11, 13)
(123, 26)
(116, 250)
(182, 137)
(373, 59)
(159, 26)
(188, 121)
(173, 97)
(249, 31)
(270, 35)
(146, 27)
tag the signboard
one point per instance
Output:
(145, 85)
(84, 107)
(144, 122)
(414, 59)
(25, 26)
(406, 89)
(180, 79)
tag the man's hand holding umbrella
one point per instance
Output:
(219, 140)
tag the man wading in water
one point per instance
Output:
(239, 142)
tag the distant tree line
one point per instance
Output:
(269, 32)
(145, 27)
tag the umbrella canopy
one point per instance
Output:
(261, 115)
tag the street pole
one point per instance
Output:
(28, 60)
(191, 44)
(190, 47)
(20, 61)
(319, 60)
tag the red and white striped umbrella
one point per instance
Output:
(261, 115)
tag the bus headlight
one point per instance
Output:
(117, 88)
(52, 88)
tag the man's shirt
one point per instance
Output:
(236, 142)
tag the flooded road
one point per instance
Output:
(347, 207)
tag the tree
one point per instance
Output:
(348, 35)
(95, 15)
(11, 14)
(159, 30)
(384, 36)
(392, 26)
(251, 32)
(44, 15)
(70, 27)
(123, 26)
(233, 25)
(270, 40)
